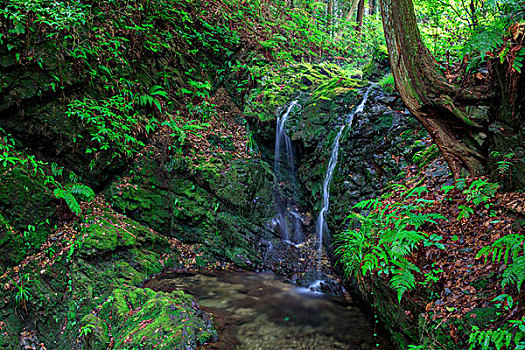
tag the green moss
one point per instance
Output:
(142, 318)
(27, 212)
(378, 64)
(109, 232)
(97, 332)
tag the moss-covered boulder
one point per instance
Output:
(136, 318)
(27, 211)
(78, 271)
(226, 204)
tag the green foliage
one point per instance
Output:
(388, 83)
(71, 194)
(180, 128)
(480, 191)
(113, 122)
(486, 39)
(423, 157)
(251, 146)
(465, 212)
(500, 338)
(515, 273)
(23, 294)
(151, 98)
(382, 241)
(517, 64)
(278, 84)
(510, 250)
(504, 162)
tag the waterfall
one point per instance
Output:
(321, 226)
(284, 169)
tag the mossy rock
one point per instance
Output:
(165, 200)
(108, 231)
(10, 243)
(378, 65)
(247, 186)
(77, 283)
(27, 212)
(144, 319)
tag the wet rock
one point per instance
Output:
(386, 100)
(29, 341)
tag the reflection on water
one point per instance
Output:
(257, 311)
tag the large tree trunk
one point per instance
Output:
(360, 14)
(456, 118)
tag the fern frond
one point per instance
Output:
(85, 192)
(367, 204)
(417, 191)
(400, 249)
(410, 238)
(402, 281)
(370, 263)
(157, 90)
(69, 199)
(486, 40)
(515, 273)
(506, 247)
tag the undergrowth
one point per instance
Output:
(381, 241)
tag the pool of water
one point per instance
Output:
(257, 311)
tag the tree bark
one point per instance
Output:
(456, 118)
(360, 14)
(348, 16)
(329, 13)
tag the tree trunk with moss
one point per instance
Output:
(438, 105)
(467, 124)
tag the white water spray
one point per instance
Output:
(321, 219)
(284, 158)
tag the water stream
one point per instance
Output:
(321, 226)
(257, 311)
(284, 169)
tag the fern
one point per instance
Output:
(385, 237)
(515, 273)
(417, 191)
(508, 249)
(70, 193)
(150, 99)
(517, 64)
(70, 200)
(490, 339)
(81, 190)
(487, 39)
(402, 281)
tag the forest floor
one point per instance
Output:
(462, 275)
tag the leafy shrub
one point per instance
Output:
(114, 123)
(387, 83)
(382, 241)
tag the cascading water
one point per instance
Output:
(321, 226)
(284, 169)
